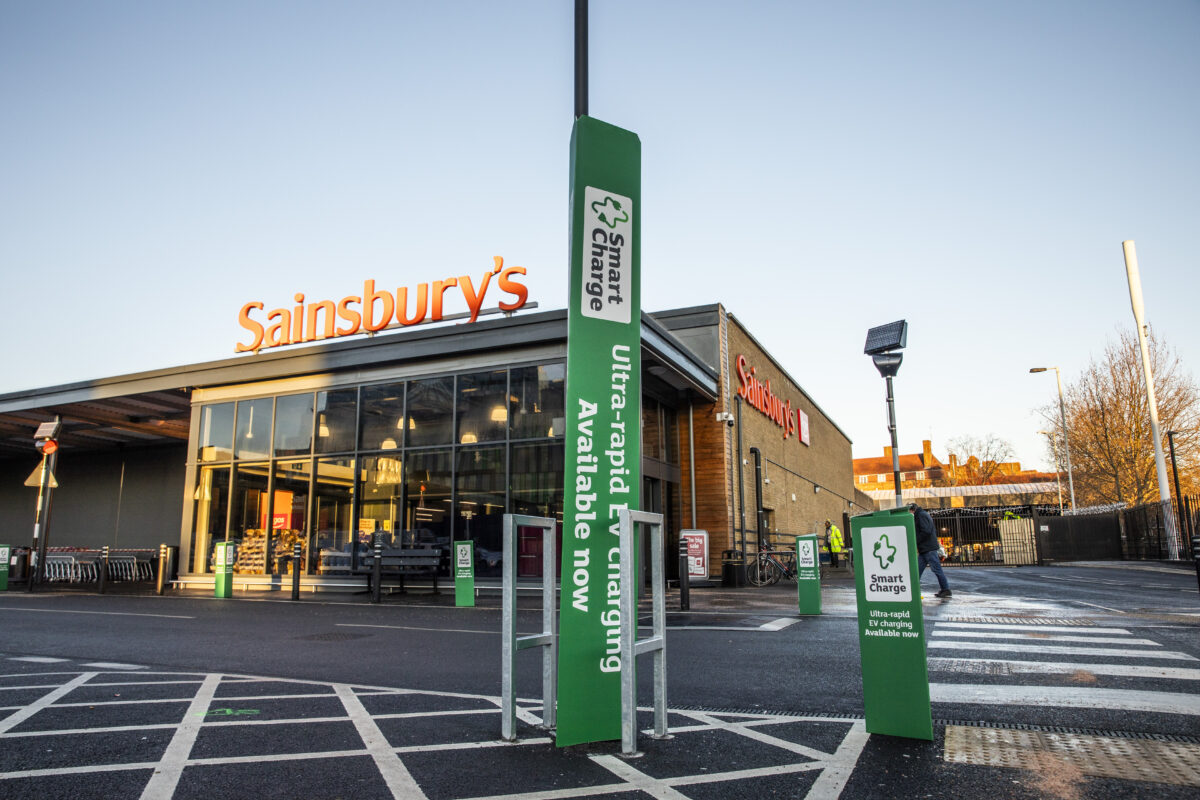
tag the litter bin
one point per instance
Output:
(733, 568)
(18, 565)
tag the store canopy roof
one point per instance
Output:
(151, 408)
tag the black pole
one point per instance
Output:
(581, 58)
(296, 571)
(377, 570)
(102, 572)
(684, 601)
(162, 568)
(741, 483)
(758, 498)
(1178, 495)
(891, 407)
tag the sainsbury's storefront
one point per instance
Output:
(422, 436)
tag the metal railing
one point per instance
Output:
(656, 643)
(547, 639)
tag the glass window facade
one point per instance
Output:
(420, 463)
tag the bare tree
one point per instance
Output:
(976, 461)
(1108, 419)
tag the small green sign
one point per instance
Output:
(808, 574)
(5, 554)
(223, 570)
(891, 627)
(464, 573)
(603, 448)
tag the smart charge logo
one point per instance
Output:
(885, 563)
(607, 260)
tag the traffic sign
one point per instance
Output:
(48, 446)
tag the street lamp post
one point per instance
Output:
(1185, 523)
(1062, 411)
(882, 343)
(1057, 470)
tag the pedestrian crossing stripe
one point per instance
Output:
(1039, 636)
(1059, 650)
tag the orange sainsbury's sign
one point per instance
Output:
(759, 395)
(375, 309)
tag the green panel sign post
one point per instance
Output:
(808, 574)
(464, 573)
(603, 452)
(223, 570)
(891, 628)
(5, 555)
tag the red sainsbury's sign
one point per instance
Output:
(376, 308)
(759, 395)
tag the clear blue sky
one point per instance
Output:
(819, 168)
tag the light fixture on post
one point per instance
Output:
(1062, 411)
(882, 343)
(1057, 472)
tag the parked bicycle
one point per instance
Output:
(768, 566)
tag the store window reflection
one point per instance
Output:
(537, 400)
(293, 425)
(380, 511)
(289, 515)
(537, 491)
(333, 507)
(337, 420)
(427, 484)
(216, 433)
(482, 408)
(382, 417)
(211, 499)
(252, 437)
(479, 505)
(248, 522)
(430, 411)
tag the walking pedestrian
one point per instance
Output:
(927, 549)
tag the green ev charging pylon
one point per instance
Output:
(464, 573)
(603, 453)
(223, 570)
(808, 575)
(891, 628)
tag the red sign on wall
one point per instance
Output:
(759, 395)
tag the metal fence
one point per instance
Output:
(988, 536)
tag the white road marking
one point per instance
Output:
(1067, 697)
(13, 720)
(1093, 605)
(1063, 668)
(107, 665)
(994, 626)
(832, 780)
(1044, 637)
(165, 779)
(415, 628)
(397, 777)
(39, 659)
(637, 780)
(1060, 650)
(104, 613)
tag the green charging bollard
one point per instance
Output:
(464, 573)
(891, 627)
(808, 575)
(223, 570)
(5, 555)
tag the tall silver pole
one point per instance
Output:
(1062, 410)
(1160, 463)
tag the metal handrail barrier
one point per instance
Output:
(656, 643)
(548, 638)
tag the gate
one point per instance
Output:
(1082, 537)
(979, 537)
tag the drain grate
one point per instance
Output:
(1062, 754)
(333, 636)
